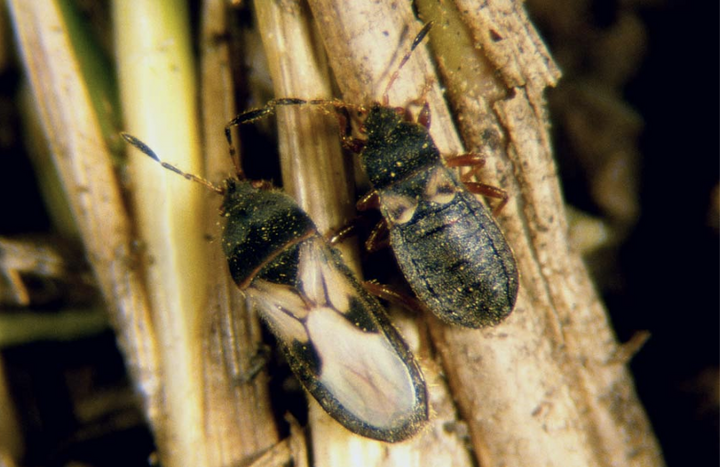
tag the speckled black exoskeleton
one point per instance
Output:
(448, 246)
(335, 335)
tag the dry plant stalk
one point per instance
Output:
(238, 416)
(542, 385)
(206, 338)
(184, 364)
(315, 173)
(83, 162)
(157, 89)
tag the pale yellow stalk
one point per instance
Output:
(158, 94)
(315, 173)
(83, 162)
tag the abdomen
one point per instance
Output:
(457, 262)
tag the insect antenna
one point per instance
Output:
(272, 105)
(420, 36)
(145, 149)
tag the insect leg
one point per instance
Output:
(270, 108)
(370, 201)
(348, 230)
(375, 240)
(393, 296)
(378, 238)
(475, 162)
(472, 160)
(258, 362)
(489, 191)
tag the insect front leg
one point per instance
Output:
(258, 363)
(378, 238)
(370, 201)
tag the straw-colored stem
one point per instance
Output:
(240, 424)
(158, 94)
(539, 385)
(314, 171)
(312, 163)
(83, 162)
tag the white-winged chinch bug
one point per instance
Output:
(335, 334)
(449, 248)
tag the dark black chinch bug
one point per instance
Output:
(335, 335)
(449, 247)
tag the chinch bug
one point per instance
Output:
(448, 246)
(335, 335)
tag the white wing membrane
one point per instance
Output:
(282, 307)
(322, 282)
(362, 370)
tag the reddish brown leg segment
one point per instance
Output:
(471, 159)
(337, 236)
(476, 162)
(489, 191)
(370, 201)
(378, 238)
(393, 296)
(424, 116)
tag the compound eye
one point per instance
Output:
(399, 209)
(440, 187)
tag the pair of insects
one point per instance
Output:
(334, 333)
